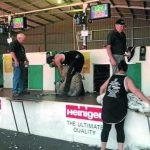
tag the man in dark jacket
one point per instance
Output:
(19, 58)
(116, 44)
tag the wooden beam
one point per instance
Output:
(58, 8)
(128, 3)
(146, 11)
(113, 4)
(55, 7)
(28, 2)
(15, 6)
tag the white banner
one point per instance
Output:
(83, 120)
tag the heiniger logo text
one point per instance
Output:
(83, 112)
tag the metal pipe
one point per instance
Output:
(130, 7)
(71, 5)
(14, 115)
(25, 118)
(132, 31)
(45, 38)
(148, 117)
(51, 8)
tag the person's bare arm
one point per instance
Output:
(26, 58)
(58, 63)
(14, 58)
(112, 60)
(131, 87)
(104, 86)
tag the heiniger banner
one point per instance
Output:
(83, 120)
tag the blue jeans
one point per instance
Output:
(18, 78)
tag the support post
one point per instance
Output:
(14, 116)
(84, 46)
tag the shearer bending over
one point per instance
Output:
(75, 62)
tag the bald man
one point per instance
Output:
(19, 58)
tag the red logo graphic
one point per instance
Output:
(83, 112)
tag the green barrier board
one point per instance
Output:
(134, 72)
(35, 77)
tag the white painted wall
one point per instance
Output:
(145, 71)
(48, 118)
(97, 56)
(7, 78)
(48, 77)
(35, 59)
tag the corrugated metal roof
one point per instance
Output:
(42, 12)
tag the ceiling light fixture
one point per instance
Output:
(59, 1)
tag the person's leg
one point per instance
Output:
(21, 79)
(118, 58)
(120, 146)
(78, 65)
(120, 134)
(16, 77)
(75, 66)
(69, 76)
(103, 145)
(21, 83)
(104, 135)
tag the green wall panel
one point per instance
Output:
(35, 77)
(134, 72)
(1, 70)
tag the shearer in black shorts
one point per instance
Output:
(75, 62)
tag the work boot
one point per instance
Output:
(15, 95)
(24, 93)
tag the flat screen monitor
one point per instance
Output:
(100, 11)
(19, 22)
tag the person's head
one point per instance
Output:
(120, 25)
(122, 66)
(21, 37)
(50, 59)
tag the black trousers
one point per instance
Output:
(75, 66)
(119, 129)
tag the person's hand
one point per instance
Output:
(149, 102)
(113, 62)
(16, 63)
(26, 63)
(128, 54)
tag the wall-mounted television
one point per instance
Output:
(19, 22)
(100, 11)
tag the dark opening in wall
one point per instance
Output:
(101, 74)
